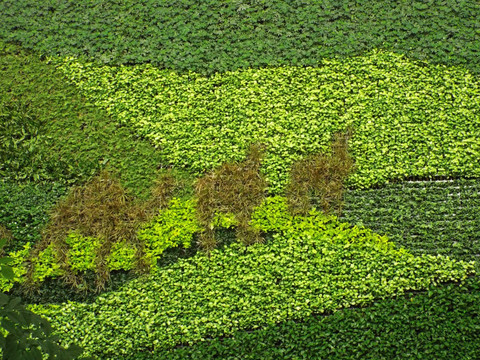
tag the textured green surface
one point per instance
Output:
(441, 324)
(70, 140)
(76, 135)
(24, 209)
(311, 265)
(424, 217)
(216, 35)
(408, 118)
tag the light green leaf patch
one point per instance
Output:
(310, 265)
(409, 118)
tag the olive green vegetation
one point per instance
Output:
(84, 257)
(5, 234)
(50, 116)
(24, 209)
(52, 138)
(202, 91)
(425, 217)
(309, 265)
(99, 209)
(215, 35)
(439, 324)
(408, 119)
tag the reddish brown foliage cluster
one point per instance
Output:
(235, 188)
(101, 209)
(319, 179)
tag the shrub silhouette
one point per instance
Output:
(235, 188)
(101, 209)
(319, 179)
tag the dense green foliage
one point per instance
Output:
(311, 265)
(408, 119)
(424, 217)
(23, 144)
(24, 209)
(72, 138)
(215, 35)
(440, 324)
(172, 227)
(159, 92)
(25, 335)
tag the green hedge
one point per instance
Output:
(409, 119)
(442, 323)
(215, 35)
(310, 265)
(426, 217)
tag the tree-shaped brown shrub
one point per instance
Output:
(235, 188)
(319, 179)
(101, 209)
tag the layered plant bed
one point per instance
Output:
(239, 180)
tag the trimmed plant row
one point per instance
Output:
(425, 217)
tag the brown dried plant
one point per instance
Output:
(101, 209)
(319, 179)
(235, 188)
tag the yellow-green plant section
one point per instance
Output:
(409, 118)
(171, 227)
(19, 257)
(311, 264)
(82, 251)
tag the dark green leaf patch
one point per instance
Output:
(425, 217)
(439, 324)
(216, 36)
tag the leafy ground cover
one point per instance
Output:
(424, 217)
(215, 36)
(441, 323)
(73, 132)
(24, 209)
(408, 119)
(310, 265)
(51, 138)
